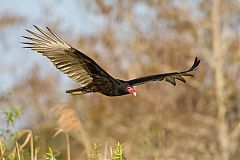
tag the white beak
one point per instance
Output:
(134, 93)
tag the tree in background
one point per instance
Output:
(199, 120)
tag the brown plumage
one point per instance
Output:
(86, 72)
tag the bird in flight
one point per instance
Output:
(86, 72)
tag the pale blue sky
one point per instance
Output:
(74, 16)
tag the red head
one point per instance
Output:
(131, 90)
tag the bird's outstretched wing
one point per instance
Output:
(169, 77)
(75, 64)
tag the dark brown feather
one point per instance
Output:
(67, 59)
(169, 77)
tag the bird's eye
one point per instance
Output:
(129, 88)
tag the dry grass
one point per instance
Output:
(196, 120)
(67, 121)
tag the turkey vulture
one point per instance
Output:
(86, 72)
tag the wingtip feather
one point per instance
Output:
(195, 64)
(28, 31)
(36, 27)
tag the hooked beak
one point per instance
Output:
(134, 93)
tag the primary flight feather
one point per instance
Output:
(86, 72)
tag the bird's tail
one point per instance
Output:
(77, 91)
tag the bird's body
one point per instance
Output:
(116, 88)
(85, 71)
